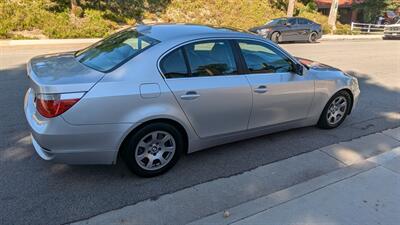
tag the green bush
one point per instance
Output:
(22, 15)
(231, 13)
(62, 25)
(29, 15)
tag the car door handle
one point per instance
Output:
(261, 89)
(190, 95)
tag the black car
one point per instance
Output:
(290, 29)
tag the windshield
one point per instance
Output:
(281, 21)
(115, 50)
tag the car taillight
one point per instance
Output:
(52, 105)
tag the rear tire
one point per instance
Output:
(275, 37)
(153, 150)
(312, 38)
(335, 111)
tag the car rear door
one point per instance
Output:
(213, 96)
(279, 95)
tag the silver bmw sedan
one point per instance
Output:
(153, 93)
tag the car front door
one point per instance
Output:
(291, 30)
(207, 86)
(279, 95)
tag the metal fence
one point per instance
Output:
(367, 28)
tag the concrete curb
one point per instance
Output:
(258, 189)
(92, 40)
(369, 197)
(350, 37)
(256, 206)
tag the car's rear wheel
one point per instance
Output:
(276, 37)
(335, 111)
(153, 150)
(312, 38)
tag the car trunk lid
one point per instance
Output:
(60, 73)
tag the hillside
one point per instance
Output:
(20, 19)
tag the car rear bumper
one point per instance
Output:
(75, 156)
(56, 140)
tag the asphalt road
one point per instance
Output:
(33, 191)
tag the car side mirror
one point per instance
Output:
(299, 69)
(288, 24)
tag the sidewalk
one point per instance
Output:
(369, 197)
(354, 182)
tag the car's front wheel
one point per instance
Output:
(276, 37)
(335, 110)
(153, 149)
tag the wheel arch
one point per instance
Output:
(321, 123)
(273, 32)
(169, 121)
(351, 97)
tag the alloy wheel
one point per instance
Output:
(313, 37)
(155, 150)
(275, 37)
(337, 110)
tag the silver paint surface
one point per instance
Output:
(218, 110)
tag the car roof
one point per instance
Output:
(294, 17)
(169, 31)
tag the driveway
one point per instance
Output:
(33, 191)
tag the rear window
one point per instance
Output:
(211, 58)
(173, 65)
(115, 50)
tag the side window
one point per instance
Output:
(260, 58)
(211, 58)
(304, 21)
(173, 65)
(292, 21)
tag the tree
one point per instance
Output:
(333, 14)
(290, 8)
(373, 8)
(74, 4)
(305, 2)
(75, 9)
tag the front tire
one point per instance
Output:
(153, 150)
(276, 37)
(335, 111)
